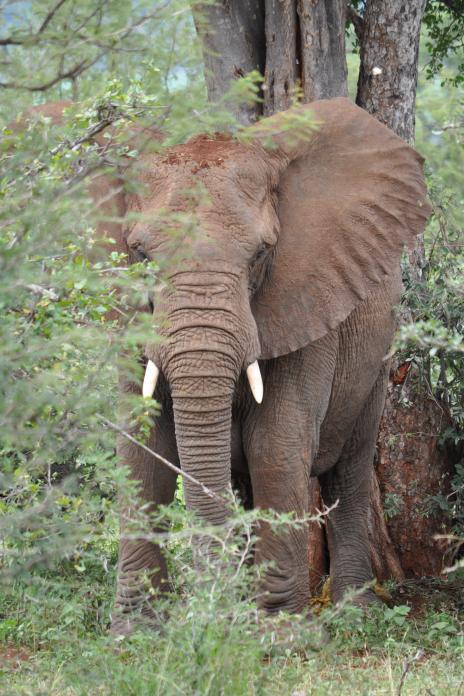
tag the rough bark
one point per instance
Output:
(411, 468)
(232, 35)
(384, 558)
(291, 42)
(389, 53)
(323, 59)
(282, 65)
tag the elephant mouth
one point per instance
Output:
(253, 374)
(208, 320)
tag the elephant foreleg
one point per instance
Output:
(142, 572)
(280, 481)
(280, 437)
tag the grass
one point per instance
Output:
(94, 665)
(59, 646)
(54, 639)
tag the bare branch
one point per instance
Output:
(357, 21)
(207, 491)
(49, 16)
(31, 38)
(67, 75)
(47, 293)
(70, 74)
(406, 667)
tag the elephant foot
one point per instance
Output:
(360, 597)
(124, 622)
(294, 633)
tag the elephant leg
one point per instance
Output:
(142, 572)
(348, 482)
(280, 439)
(280, 482)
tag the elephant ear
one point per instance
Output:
(350, 198)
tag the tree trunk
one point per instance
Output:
(282, 65)
(232, 36)
(410, 468)
(323, 56)
(389, 53)
(302, 45)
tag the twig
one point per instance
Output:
(358, 22)
(29, 39)
(73, 72)
(50, 16)
(207, 491)
(406, 667)
(43, 292)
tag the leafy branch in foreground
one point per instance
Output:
(73, 38)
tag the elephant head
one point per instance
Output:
(292, 239)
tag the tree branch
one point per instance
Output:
(357, 21)
(66, 75)
(456, 6)
(30, 38)
(207, 491)
(49, 16)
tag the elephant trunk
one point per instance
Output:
(203, 433)
(211, 339)
(202, 384)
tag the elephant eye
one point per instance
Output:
(258, 267)
(261, 253)
(138, 254)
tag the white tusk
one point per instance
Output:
(150, 380)
(255, 380)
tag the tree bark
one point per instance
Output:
(408, 458)
(233, 40)
(282, 64)
(389, 54)
(412, 469)
(323, 56)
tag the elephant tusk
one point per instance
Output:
(255, 380)
(150, 380)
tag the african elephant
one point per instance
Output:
(291, 286)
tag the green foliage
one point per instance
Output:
(66, 49)
(445, 30)
(436, 302)
(210, 639)
(392, 504)
(451, 504)
(61, 349)
(59, 290)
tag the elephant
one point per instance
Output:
(278, 323)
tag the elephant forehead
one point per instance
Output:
(210, 151)
(209, 160)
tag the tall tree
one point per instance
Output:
(301, 44)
